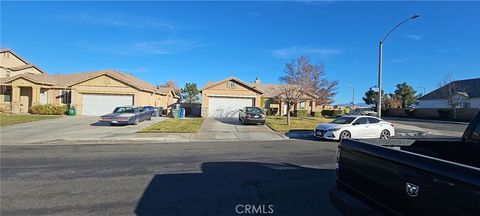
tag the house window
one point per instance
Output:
(6, 91)
(65, 96)
(231, 84)
(302, 105)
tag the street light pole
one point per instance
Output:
(380, 52)
(379, 84)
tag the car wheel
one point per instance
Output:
(113, 124)
(345, 135)
(385, 134)
(149, 118)
(136, 121)
(244, 122)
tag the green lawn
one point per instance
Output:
(279, 123)
(10, 119)
(186, 125)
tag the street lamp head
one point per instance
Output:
(415, 16)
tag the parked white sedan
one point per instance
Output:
(356, 127)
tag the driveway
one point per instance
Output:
(66, 128)
(231, 128)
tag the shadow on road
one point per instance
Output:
(302, 135)
(104, 124)
(221, 186)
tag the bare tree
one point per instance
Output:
(290, 95)
(312, 77)
(451, 90)
(172, 84)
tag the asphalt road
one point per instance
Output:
(168, 179)
(455, 129)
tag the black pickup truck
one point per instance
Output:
(409, 177)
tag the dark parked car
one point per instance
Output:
(410, 177)
(253, 115)
(127, 115)
(153, 109)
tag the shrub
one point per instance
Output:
(332, 113)
(317, 114)
(300, 113)
(48, 109)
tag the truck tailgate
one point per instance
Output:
(391, 178)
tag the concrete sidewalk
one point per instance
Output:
(173, 138)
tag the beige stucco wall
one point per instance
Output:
(223, 90)
(107, 85)
(7, 59)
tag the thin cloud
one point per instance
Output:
(296, 51)
(166, 46)
(156, 47)
(414, 36)
(116, 20)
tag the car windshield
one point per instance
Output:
(124, 110)
(343, 120)
(254, 110)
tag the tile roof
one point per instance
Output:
(273, 89)
(67, 80)
(211, 84)
(36, 78)
(470, 86)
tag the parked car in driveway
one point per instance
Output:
(152, 109)
(127, 115)
(355, 126)
(252, 115)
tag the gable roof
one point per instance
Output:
(20, 67)
(209, 85)
(35, 78)
(470, 86)
(4, 50)
(272, 89)
(68, 80)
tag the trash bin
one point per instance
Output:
(182, 112)
(72, 111)
(175, 113)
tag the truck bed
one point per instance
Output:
(453, 150)
(446, 171)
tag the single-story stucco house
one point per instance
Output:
(224, 98)
(23, 85)
(467, 94)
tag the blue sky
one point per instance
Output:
(208, 41)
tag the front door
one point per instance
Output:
(25, 99)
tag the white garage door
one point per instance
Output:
(227, 107)
(98, 104)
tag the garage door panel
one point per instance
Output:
(227, 107)
(98, 104)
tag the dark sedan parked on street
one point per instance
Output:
(252, 115)
(127, 115)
